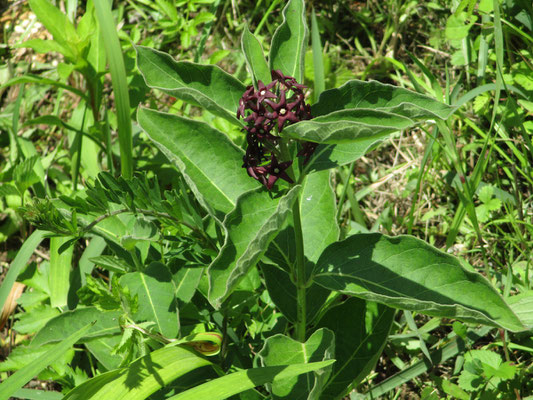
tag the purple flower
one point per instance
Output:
(266, 111)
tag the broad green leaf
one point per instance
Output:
(9, 386)
(102, 349)
(318, 210)
(141, 378)
(44, 46)
(283, 350)
(250, 227)
(347, 126)
(206, 86)
(522, 305)
(157, 302)
(58, 25)
(282, 291)
(60, 265)
(327, 156)
(186, 281)
(237, 382)
(361, 329)
(378, 96)
(209, 161)
(7, 189)
(319, 228)
(105, 323)
(255, 59)
(407, 273)
(287, 51)
(30, 321)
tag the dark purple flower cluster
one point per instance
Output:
(267, 110)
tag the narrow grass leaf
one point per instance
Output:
(407, 273)
(141, 378)
(39, 80)
(115, 58)
(59, 275)
(9, 386)
(19, 263)
(287, 51)
(237, 382)
(33, 394)
(318, 58)
(438, 357)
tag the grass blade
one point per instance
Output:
(24, 254)
(59, 277)
(22, 376)
(318, 60)
(237, 382)
(120, 86)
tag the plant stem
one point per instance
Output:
(301, 280)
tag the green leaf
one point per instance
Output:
(102, 348)
(186, 281)
(7, 189)
(59, 278)
(34, 394)
(522, 304)
(157, 302)
(24, 173)
(318, 58)
(457, 26)
(319, 229)
(39, 80)
(209, 161)
(361, 329)
(327, 156)
(282, 350)
(9, 386)
(18, 264)
(255, 59)
(58, 25)
(287, 51)
(141, 378)
(407, 273)
(282, 291)
(346, 126)
(250, 227)
(113, 50)
(105, 323)
(378, 96)
(318, 211)
(206, 86)
(30, 321)
(44, 46)
(237, 382)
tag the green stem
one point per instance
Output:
(301, 281)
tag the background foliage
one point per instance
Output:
(67, 113)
